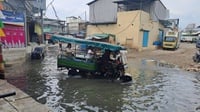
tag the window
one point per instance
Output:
(170, 39)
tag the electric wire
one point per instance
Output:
(55, 12)
(133, 20)
(49, 4)
(54, 9)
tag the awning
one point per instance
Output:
(100, 36)
(165, 23)
(1, 24)
(2, 34)
(170, 23)
(102, 45)
(128, 2)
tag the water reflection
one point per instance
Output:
(94, 95)
(157, 87)
(47, 89)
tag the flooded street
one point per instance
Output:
(156, 87)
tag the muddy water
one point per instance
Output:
(157, 87)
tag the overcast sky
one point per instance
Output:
(186, 10)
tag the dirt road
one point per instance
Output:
(181, 57)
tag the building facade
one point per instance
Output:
(76, 26)
(32, 13)
(14, 29)
(137, 24)
(52, 26)
(17, 17)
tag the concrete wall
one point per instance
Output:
(73, 24)
(125, 30)
(129, 29)
(14, 55)
(149, 25)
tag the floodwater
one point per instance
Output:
(156, 87)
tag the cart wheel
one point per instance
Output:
(83, 74)
(72, 72)
(126, 78)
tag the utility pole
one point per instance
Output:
(42, 21)
(85, 24)
(25, 24)
(42, 25)
(25, 29)
(140, 11)
(2, 72)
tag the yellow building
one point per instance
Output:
(132, 28)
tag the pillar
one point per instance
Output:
(2, 72)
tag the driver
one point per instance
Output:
(106, 56)
(105, 61)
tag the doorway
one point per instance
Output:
(145, 38)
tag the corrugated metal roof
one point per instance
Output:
(124, 1)
(101, 36)
(128, 2)
(131, 1)
(91, 2)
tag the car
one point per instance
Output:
(38, 53)
(198, 43)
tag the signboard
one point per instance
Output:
(15, 36)
(9, 17)
(13, 29)
(172, 33)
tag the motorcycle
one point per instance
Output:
(196, 57)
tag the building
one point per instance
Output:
(76, 26)
(135, 23)
(191, 33)
(17, 17)
(32, 11)
(51, 26)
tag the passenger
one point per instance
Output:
(68, 49)
(90, 53)
(105, 60)
(110, 56)
(117, 56)
(113, 56)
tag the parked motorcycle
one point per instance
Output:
(196, 57)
